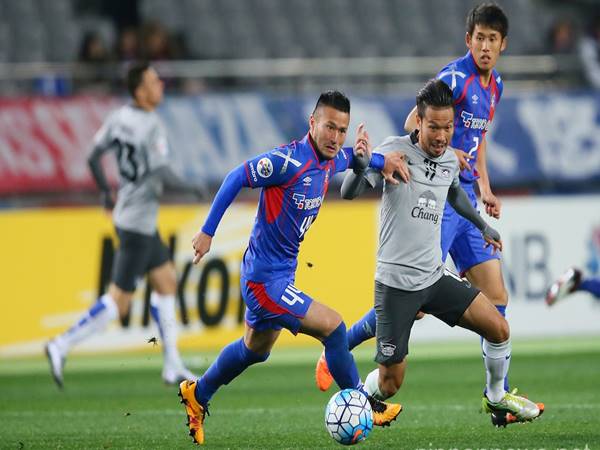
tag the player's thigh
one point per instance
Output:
(395, 311)
(320, 321)
(274, 304)
(449, 297)
(131, 260)
(487, 276)
(260, 341)
(483, 318)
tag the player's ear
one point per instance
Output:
(504, 43)
(468, 40)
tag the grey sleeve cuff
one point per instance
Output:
(354, 185)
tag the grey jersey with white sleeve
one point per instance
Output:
(409, 255)
(139, 139)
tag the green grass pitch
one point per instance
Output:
(119, 401)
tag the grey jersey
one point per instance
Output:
(139, 139)
(409, 255)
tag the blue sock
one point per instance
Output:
(232, 361)
(339, 359)
(591, 285)
(362, 330)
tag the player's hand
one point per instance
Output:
(492, 239)
(394, 163)
(362, 149)
(492, 204)
(420, 315)
(201, 245)
(463, 160)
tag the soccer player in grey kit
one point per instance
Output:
(138, 137)
(410, 275)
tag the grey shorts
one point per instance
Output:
(137, 254)
(447, 299)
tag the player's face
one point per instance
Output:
(328, 128)
(151, 88)
(435, 130)
(485, 44)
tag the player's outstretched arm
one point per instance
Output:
(231, 186)
(174, 182)
(459, 200)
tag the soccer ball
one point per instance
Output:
(348, 417)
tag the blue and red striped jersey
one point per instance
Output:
(474, 106)
(294, 182)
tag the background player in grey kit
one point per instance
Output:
(410, 275)
(138, 137)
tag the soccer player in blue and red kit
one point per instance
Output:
(294, 179)
(476, 87)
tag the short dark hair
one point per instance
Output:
(334, 99)
(489, 15)
(436, 94)
(135, 75)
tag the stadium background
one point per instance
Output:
(242, 77)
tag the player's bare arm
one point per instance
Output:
(490, 201)
(201, 245)
(410, 124)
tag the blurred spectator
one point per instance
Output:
(562, 37)
(589, 51)
(92, 49)
(156, 43)
(128, 45)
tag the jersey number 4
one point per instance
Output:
(128, 167)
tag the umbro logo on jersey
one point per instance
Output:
(474, 99)
(306, 181)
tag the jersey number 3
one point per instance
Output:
(128, 167)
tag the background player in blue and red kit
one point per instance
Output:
(294, 179)
(476, 88)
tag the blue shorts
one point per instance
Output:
(462, 239)
(274, 305)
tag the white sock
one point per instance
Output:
(93, 321)
(497, 360)
(372, 385)
(163, 307)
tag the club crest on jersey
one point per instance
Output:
(426, 208)
(445, 173)
(264, 167)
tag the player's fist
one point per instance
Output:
(362, 149)
(201, 245)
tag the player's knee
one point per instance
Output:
(331, 322)
(500, 332)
